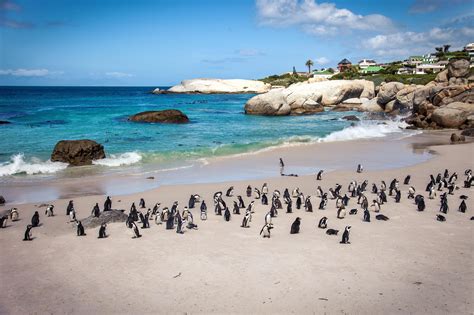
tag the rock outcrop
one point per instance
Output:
(307, 98)
(455, 138)
(170, 116)
(2, 200)
(218, 86)
(104, 217)
(77, 152)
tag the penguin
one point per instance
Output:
(265, 189)
(257, 193)
(383, 197)
(203, 211)
(191, 202)
(308, 205)
(142, 203)
(3, 221)
(236, 209)
(462, 206)
(136, 232)
(432, 194)
(339, 203)
(249, 191)
(319, 192)
(102, 231)
(27, 236)
(364, 204)
(289, 207)
(108, 204)
(381, 217)
(440, 217)
(332, 232)
(341, 213)
(444, 207)
(170, 222)
(360, 168)
(366, 216)
(407, 180)
(246, 220)
(179, 225)
(95, 211)
(227, 214)
(345, 200)
(295, 193)
(446, 173)
(145, 221)
(268, 217)
(230, 191)
(264, 199)
(375, 190)
(398, 196)
(320, 174)
(80, 229)
(411, 192)
(14, 215)
(323, 223)
(323, 203)
(156, 210)
(332, 194)
(421, 204)
(299, 201)
(49, 211)
(35, 219)
(286, 195)
(266, 230)
(345, 235)
(295, 226)
(241, 202)
(72, 215)
(353, 212)
(276, 202)
(70, 207)
(375, 206)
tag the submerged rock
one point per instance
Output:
(77, 152)
(4, 122)
(351, 118)
(170, 116)
(218, 86)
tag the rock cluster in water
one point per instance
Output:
(217, 86)
(77, 152)
(171, 116)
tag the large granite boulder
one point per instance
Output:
(77, 152)
(372, 106)
(218, 86)
(388, 91)
(307, 98)
(449, 117)
(467, 107)
(170, 116)
(110, 216)
(458, 68)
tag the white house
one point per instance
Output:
(365, 63)
(425, 68)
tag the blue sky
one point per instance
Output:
(153, 43)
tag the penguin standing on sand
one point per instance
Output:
(3, 221)
(27, 236)
(320, 175)
(289, 207)
(345, 235)
(49, 211)
(103, 231)
(70, 207)
(407, 180)
(96, 211)
(136, 231)
(462, 206)
(80, 229)
(227, 214)
(249, 191)
(236, 209)
(308, 205)
(108, 204)
(398, 196)
(14, 216)
(35, 219)
(191, 202)
(247, 218)
(230, 191)
(295, 226)
(266, 230)
(360, 168)
(203, 211)
(241, 202)
(366, 216)
(264, 199)
(421, 204)
(323, 223)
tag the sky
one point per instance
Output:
(161, 42)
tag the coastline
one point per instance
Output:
(410, 264)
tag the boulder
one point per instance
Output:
(455, 138)
(355, 101)
(351, 118)
(171, 116)
(2, 200)
(77, 152)
(219, 86)
(157, 91)
(458, 68)
(448, 94)
(442, 77)
(449, 117)
(468, 132)
(391, 106)
(388, 91)
(342, 108)
(4, 122)
(305, 97)
(104, 217)
(371, 106)
(467, 107)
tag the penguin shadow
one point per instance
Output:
(39, 225)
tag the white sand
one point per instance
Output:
(409, 264)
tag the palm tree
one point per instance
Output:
(446, 48)
(309, 64)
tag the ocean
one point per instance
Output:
(42, 116)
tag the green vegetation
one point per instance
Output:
(387, 77)
(284, 80)
(309, 64)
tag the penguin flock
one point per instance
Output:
(444, 184)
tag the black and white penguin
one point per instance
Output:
(353, 212)
(141, 204)
(332, 232)
(286, 195)
(366, 216)
(375, 189)
(264, 199)
(266, 230)
(289, 207)
(49, 211)
(345, 200)
(35, 219)
(319, 192)
(203, 211)
(191, 202)
(295, 226)
(398, 196)
(444, 206)
(323, 223)
(411, 192)
(179, 225)
(108, 204)
(320, 174)
(80, 229)
(70, 207)
(295, 193)
(407, 180)
(421, 204)
(95, 211)
(323, 203)
(265, 189)
(3, 221)
(299, 201)
(360, 168)
(246, 220)
(136, 232)
(236, 209)
(257, 193)
(249, 191)
(227, 214)
(341, 213)
(345, 235)
(462, 206)
(145, 221)
(103, 230)
(27, 236)
(230, 191)
(241, 202)
(375, 206)
(13, 214)
(308, 205)
(440, 217)
(381, 217)
(170, 221)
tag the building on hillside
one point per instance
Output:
(469, 48)
(344, 65)
(406, 70)
(430, 68)
(365, 63)
(429, 58)
(414, 60)
(371, 69)
(325, 74)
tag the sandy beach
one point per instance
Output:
(411, 264)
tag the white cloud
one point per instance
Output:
(322, 60)
(408, 43)
(318, 19)
(118, 75)
(29, 72)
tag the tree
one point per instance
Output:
(330, 70)
(309, 64)
(446, 48)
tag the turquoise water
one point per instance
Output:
(41, 116)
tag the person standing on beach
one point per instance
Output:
(282, 167)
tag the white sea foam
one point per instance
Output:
(18, 165)
(126, 158)
(366, 130)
